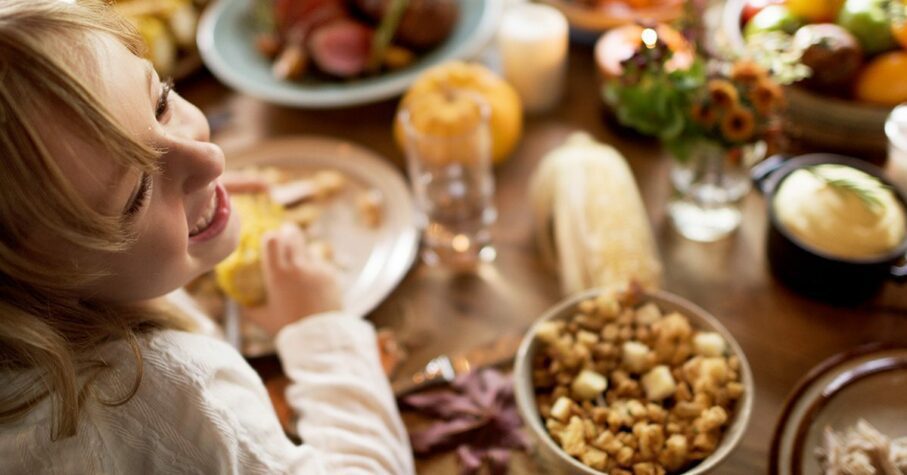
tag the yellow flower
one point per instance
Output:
(766, 96)
(704, 114)
(738, 124)
(747, 72)
(723, 94)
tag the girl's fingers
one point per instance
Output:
(238, 182)
(270, 251)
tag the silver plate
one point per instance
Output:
(372, 261)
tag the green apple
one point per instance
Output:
(870, 22)
(772, 18)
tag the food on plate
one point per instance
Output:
(862, 450)
(348, 38)
(370, 203)
(239, 275)
(840, 211)
(286, 196)
(589, 218)
(437, 84)
(832, 53)
(166, 26)
(853, 48)
(424, 24)
(625, 388)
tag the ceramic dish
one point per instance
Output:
(810, 270)
(226, 45)
(588, 23)
(553, 458)
(868, 384)
(372, 261)
(830, 123)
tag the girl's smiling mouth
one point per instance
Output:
(214, 220)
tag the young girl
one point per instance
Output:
(109, 199)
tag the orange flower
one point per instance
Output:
(738, 124)
(747, 72)
(723, 94)
(704, 114)
(766, 96)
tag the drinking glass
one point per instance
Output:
(448, 154)
(709, 187)
(896, 131)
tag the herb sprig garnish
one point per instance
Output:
(867, 193)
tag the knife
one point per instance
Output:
(444, 369)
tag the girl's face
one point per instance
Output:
(181, 217)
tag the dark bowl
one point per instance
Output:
(809, 270)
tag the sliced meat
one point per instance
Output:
(304, 15)
(341, 47)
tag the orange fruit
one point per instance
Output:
(882, 80)
(900, 33)
(815, 11)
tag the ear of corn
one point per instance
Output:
(239, 275)
(590, 220)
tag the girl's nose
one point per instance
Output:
(191, 158)
(204, 163)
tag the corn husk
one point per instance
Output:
(590, 220)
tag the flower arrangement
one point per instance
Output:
(727, 105)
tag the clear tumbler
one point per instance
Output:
(448, 152)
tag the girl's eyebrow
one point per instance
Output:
(149, 80)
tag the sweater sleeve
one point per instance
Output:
(347, 411)
(202, 409)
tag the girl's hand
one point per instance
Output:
(239, 182)
(298, 283)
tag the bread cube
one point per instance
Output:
(709, 344)
(588, 384)
(658, 383)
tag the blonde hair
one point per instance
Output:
(48, 331)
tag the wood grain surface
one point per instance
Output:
(783, 334)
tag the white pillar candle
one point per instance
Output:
(533, 44)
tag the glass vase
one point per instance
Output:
(709, 187)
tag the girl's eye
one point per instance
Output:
(140, 198)
(163, 102)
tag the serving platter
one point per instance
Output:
(868, 383)
(371, 261)
(225, 40)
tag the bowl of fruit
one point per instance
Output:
(855, 54)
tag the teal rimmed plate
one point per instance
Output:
(225, 40)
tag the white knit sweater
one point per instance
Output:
(202, 409)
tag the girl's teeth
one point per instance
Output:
(206, 218)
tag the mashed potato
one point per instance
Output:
(834, 219)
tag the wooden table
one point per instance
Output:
(783, 334)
